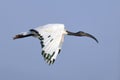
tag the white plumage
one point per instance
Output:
(51, 38)
(52, 35)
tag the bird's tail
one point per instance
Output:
(22, 35)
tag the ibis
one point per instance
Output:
(51, 37)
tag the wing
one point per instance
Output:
(51, 46)
(51, 37)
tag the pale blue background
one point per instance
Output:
(80, 58)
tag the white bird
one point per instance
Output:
(51, 37)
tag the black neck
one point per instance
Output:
(81, 33)
(73, 33)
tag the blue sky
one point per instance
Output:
(80, 58)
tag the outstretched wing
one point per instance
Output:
(51, 42)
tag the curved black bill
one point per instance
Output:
(81, 33)
(91, 36)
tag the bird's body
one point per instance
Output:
(51, 37)
(51, 40)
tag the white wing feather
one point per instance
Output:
(52, 38)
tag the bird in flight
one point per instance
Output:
(51, 37)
